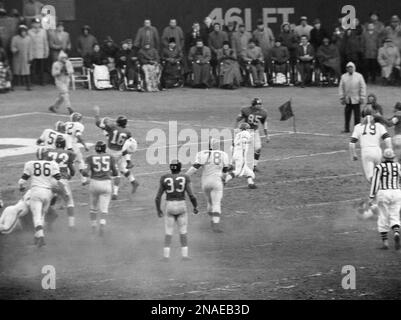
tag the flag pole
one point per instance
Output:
(293, 120)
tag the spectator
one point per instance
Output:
(370, 48)
(61, 71)
(21, 47)
(128, 63)
(393, 31)
(230, 29)
(59, 40)
(290, 40)
(280, 56)
(303, 29)
(200, 56)
(317, 34)
(5, 72)
(40, 51)
(240, 40)
(206, 28)
(229, 71)
(19, 19)
(329, 60)
(8, 28)
(378, 26)
(150, 61)
(377, 108)
(352, 90)
(358, 27)
(123, 55)
(173, 61)
(305, 55)
(255, 63)
(31, 10)
(85, 42)
(265, 38)
(173, 31)
(353, 48)
(389, 60)
(193, 36)
(147, 35)
(97, 57)
(216, 40)
(337, 39)
(109, 48)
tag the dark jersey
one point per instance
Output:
(101, 166)
(253, 116)
(175, 186)
(116, 135)
(64, 158)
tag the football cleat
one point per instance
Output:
(52, 109)
(256, 169)
(114, 197)
(40, 242)
(252, 186)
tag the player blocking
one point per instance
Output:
(121, 145)
(175, 185)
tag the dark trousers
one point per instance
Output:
(305, 69)
(38, 70)
(349, 108)
(371, 69)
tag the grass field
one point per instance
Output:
(289, 239)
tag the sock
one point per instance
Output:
(184, 252)
(115, 190)
(216, 219)
(384, 236)
(131, 178)
(250, 180)
(93, 217)
(71, 221)
(184, 240)
(166, 252)
(39, 232)
(230, 176)
(102, 222)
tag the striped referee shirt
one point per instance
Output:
(386, 176)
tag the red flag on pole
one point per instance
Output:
(286, 111)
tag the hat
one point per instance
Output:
(226, 42)
(351, 64)
(60, 24)
(395, 18)
(303, 18)
(2, 10)
(36, 20)
(316, 21)
(108, 39)
(388, 40)
(22, 27)
(388, 154)
(241, 25)
(86, 27)
(259, 22)
(279, 39)
(171, 40)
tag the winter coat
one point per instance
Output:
(40, 43)
(388, 58)
(265, 40)
(85, 44)
(370, 44)
(147, 35)
(21, 47)
(175, 33)
(240, 41)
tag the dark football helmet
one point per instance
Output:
(256, 102)
(122, 121)
(60, 126)
(175, 166)
(60, 142)
(100, 147)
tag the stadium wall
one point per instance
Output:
(121, 18)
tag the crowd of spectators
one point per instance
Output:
(210, 54)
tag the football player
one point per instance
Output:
(121, 145)
(255, 116)
(100, 167)
(215, 165)
(49, 136)
(241, 143)
(370, 134)
(42, 174)
(65, 159)
(396, 122)
(9, 218)
(74, 129)
(175, 185)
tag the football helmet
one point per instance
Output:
(100, 147)
(75, 117)
(175, 166)
(60, 126)
(122, 121)
(41, 153)
(256, 102)
(60, 142)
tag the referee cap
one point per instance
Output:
(388, 154)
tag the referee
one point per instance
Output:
(386, 192)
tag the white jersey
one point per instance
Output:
(42, 173)
(242, 141)
(369, 133)
(74, 130)
(213, 162)
(49, 137)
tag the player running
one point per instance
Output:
(75, 129)
(121, 145)
(42, 174)
(100, 167)
(385, 191)
(255, 116)
(370, 134)
(241, 143)
(65, 159)
(215, 165)
(175, 184)
(395, 121)
(49, 136)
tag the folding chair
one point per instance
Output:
(81, 73)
